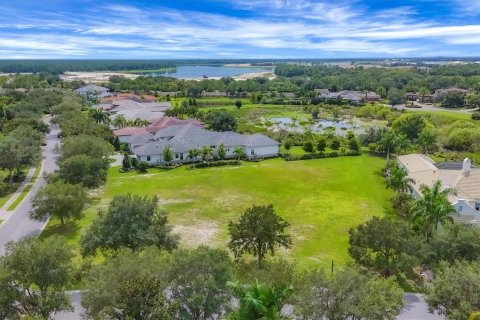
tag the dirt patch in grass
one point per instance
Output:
(197, 233)
(164, 202)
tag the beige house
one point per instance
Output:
(459, 176)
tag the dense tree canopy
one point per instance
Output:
(348, 294)
(455, 290)
(33, 277)
(130, 222)
(386, 246)
(60, 200)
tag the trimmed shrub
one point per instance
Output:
(320, 156)
(216, 164)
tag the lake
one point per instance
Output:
(197, 72)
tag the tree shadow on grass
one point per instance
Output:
(69, 230)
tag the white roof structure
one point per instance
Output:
(133, 109)
(425, 172)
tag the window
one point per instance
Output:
(176, 155)
(460, 208)
(148, 158)
(252, 152)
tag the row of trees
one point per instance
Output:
(22, 132)
(83, 161)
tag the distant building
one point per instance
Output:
(440, 92)
(92, 91)
(462, 177)
(345, 95)
(214, 94)
(21, 90)
(289, 95)
(372, 96)
(135, 108)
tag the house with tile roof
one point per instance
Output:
(149, 145)
(462, 177)
(135, 108)
(92, 91)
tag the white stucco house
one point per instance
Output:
(148, 144)
(462, 177)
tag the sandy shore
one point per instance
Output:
(94, 77)
(246, 76)
(99, 77)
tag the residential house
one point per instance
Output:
(135, 108)
(462, 177)
(92, 91)
(441, 92)
(148, 144)
(345, 95)
(424, 98)
(372, 96)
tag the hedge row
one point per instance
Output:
(310, 156)
(216, 164)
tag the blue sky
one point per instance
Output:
(238, 29)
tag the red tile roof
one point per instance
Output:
(168, 121)
(129, 131)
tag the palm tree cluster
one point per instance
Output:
(433, 209)
(398, 180)
(120, 122)
(259, 301)
(428, 212)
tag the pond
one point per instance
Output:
(339, 127)
(198, 72)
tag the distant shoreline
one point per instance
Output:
(101, 77)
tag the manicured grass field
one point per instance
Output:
(322, 199)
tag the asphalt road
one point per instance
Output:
(18, 225)
(415, 308)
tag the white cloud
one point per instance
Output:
(279, 26)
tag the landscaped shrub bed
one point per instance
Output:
(311, 156)
(216, 164)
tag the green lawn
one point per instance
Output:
(321, 199)
(451, 115)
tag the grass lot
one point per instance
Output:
(450, 115)
(321, 199)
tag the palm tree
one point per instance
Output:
(239, 152)
(259, 301)
(99, 115)
(398, 179)
(206, 153)
(119, 122)
(140, 122)
(433, 209)
(193, 154)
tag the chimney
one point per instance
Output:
(467, 165)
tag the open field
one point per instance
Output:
(322, 199)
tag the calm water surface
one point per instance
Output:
(196, 72)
